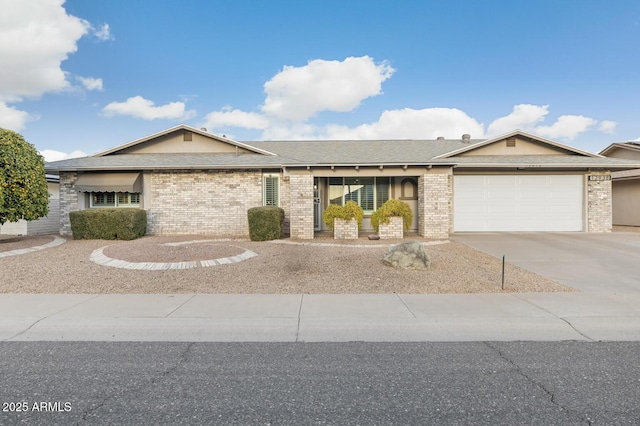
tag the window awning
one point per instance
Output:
(109, 182)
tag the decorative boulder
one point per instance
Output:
(408, 255)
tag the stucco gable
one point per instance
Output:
(183, 139)
(627, 150)
(517, 143)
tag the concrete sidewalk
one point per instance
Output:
(321, 318)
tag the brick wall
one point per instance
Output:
(208, 202)
(345, 229)
(301, 206)
(599, 207)
(68, 200)
(393, 229)
(285, 202)
(435, 205)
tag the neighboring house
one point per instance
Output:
(193, 182)
(46, 225)
(625, 185)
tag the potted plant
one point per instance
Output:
(392, 219)
(344, 221)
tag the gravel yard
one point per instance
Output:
(284, 266)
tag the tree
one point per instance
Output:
(23, 185)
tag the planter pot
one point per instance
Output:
(345, 229)
(393, 229)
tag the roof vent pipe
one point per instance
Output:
(440, 138)
(466, 138)
(204, 129)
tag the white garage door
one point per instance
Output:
(518, 203)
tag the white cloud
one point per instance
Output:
(523, 117)
(13, 119)
(229, 117)
(102, 32)
(607, 126)
(567, 126)
(35, 37)
(91, 83)
(297, 93)
(51, 155)
(407, 123)
(140, 107)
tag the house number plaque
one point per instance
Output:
(600, 178)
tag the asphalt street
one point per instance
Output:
(479, 383)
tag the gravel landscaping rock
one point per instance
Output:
(282, 266)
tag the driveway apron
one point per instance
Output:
(601, 263)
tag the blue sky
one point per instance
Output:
(84, 75)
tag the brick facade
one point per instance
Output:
(68, 200)
(285, 202)
(345, 229)
(215, 202)
(208, 202)
(435, 205)
(301, 206)
(599, 204)
(393, 229)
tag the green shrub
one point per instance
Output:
(265, 223)
(108, 224)
(351, 210)
(392, 207)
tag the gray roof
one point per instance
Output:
(165, 161)
(542, 161)
(324, 153)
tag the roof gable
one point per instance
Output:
(182, 139)
(626, 150)
(516, 143)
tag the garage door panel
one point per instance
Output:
(499, 196)
(518, 203)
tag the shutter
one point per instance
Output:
(271, 191)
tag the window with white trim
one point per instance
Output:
(271, 190)
(114, 199)
(368, 192)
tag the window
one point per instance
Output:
(115, 199)
(271, 190)
(368, 192)
(409, 189)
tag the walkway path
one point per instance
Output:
(315, 318)
(56, 242)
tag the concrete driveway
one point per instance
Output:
(599, 263)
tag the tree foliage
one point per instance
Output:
(23, 185)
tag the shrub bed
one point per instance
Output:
(108, 224)
(351, 210)
(392, 207)
(265, 223)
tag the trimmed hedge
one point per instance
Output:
(108, 224)
(265, 223)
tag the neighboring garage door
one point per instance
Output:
(518, 203)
